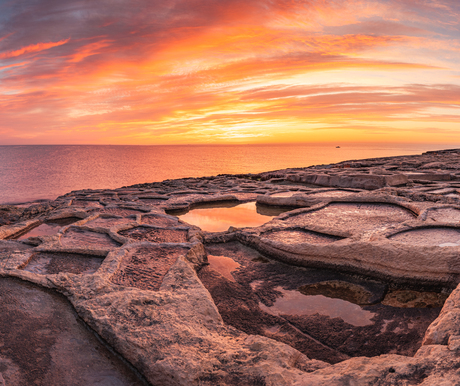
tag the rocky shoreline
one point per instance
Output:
(174, 304)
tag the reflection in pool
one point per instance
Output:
(325, 314)
(221, 218)
(41, 230)
(48, 229)
(224, 265)
(295, 303)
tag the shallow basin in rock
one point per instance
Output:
(336, 289)
(157, 220)
(353, 217)
(443, 214)
(224, 265)
(436, 236)
(325, 314)
(107, 222)
(220, 217)
(156, 235)
(51, 263)
(76, 237)
(48, 228)
(296, 303)
(44, 343)
(145, 267)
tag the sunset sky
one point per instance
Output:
(229, 71)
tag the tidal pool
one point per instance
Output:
(219, 219)
(224, 265)
(48, 229)
(295, 303)
(41, 230)
(44, 343)
(325, 314)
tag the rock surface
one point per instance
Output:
(182, 306)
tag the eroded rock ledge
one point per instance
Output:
(149, 284)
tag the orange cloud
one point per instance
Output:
(88, 50)
(235, 70)
(32, 48)
(12, 65)
(6, 36)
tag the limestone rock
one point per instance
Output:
(148, 329)
(447, 324)
(389, 223)
(432, 165)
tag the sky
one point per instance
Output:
(229, 71)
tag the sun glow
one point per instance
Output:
(230, 72)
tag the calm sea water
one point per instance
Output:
(30, 173)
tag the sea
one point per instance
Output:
(30, 173)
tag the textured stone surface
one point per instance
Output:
(383, 231)
(42, 342)
(267, 298)
(75, 237)
(156, 235)
(52, 263)
(145, 267)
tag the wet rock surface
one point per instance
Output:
(326, 315)
(43, 342)
(328, 275)
(221, 216)
(52, 263)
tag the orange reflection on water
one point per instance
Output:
(224, 265)
(220, 219)
(295, 303)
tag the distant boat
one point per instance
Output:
(337, 147)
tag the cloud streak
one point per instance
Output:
(192, 71)
(32, 49)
